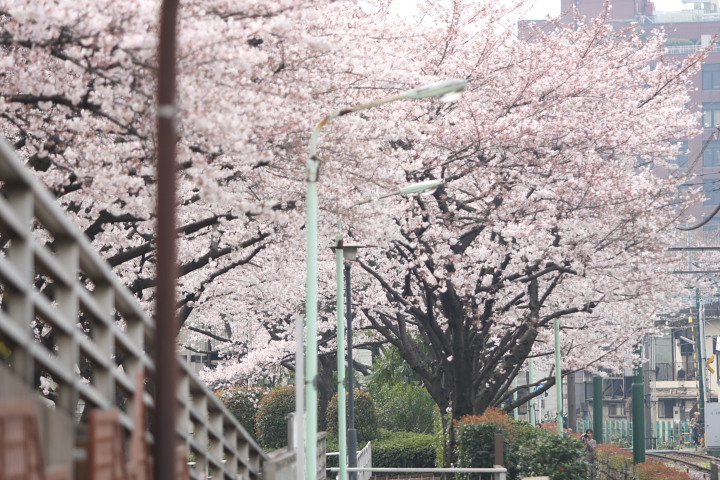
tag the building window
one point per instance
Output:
(711, 189)
(711, 76)
(616, 409)
(712, 226)
(681, 159)
(665, 408)
(711, 155)
(711, 114)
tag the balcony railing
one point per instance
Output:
(689, 49)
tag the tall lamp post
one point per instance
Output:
(447, 90)
(347, 252)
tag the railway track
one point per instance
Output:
(695, 462)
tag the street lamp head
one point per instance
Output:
(446, 90)
(427, 187)
(350, 251)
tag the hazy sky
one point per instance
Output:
(541, 8)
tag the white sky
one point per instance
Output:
(542, 8)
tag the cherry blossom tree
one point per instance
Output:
(549, 208)
(77, 102)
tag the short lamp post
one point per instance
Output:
(350, 255)
(447, 90)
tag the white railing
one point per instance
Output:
(365, 469)
(498, 473)
(67, 324)
(364, 460)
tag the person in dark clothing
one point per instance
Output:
(590, 444)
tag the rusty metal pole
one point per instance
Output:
(165, 312)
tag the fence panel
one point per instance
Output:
(665, 434)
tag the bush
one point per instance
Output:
(620, 461)
(613, 456)
(475, 438)
(403, 449)
(243, 402)
(403, 403)
(529, 451)
(366, 422)
(272, 417)
(476, 443)
(654, 469)
(561, 457)
(404, 407)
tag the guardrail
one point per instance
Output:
(497, 473)
(72, 333)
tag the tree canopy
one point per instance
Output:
(549, 209)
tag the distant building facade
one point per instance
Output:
(686, 31)
(671, 374)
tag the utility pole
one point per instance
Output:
(598, 408)
(638, 413)
(700, 356)
(571, 402)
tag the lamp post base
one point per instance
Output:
(352, 451)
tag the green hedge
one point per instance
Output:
(243, 402)
(404, 449)
(366, 421)
(540, 452)
(529, 451)
(272, 417)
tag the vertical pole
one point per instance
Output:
(515, 396)
(351, 432)
(166, 276)
(638, 414)
(598, 408)
(342, 439)
(558, 377)
(701, 356)
(299, 416)
(532, 400)
(311, 309)
(499, 450)
(571, 402)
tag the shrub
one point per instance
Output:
(243, 402)
(366, 422)
(492, 415)
(403, 449)
(654, 469)
(561, 457)
(404, 407)
(618, 460)
(272, 416)
(476, 443)
(529, 451)
(613, 456)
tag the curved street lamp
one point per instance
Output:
(446, 90)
